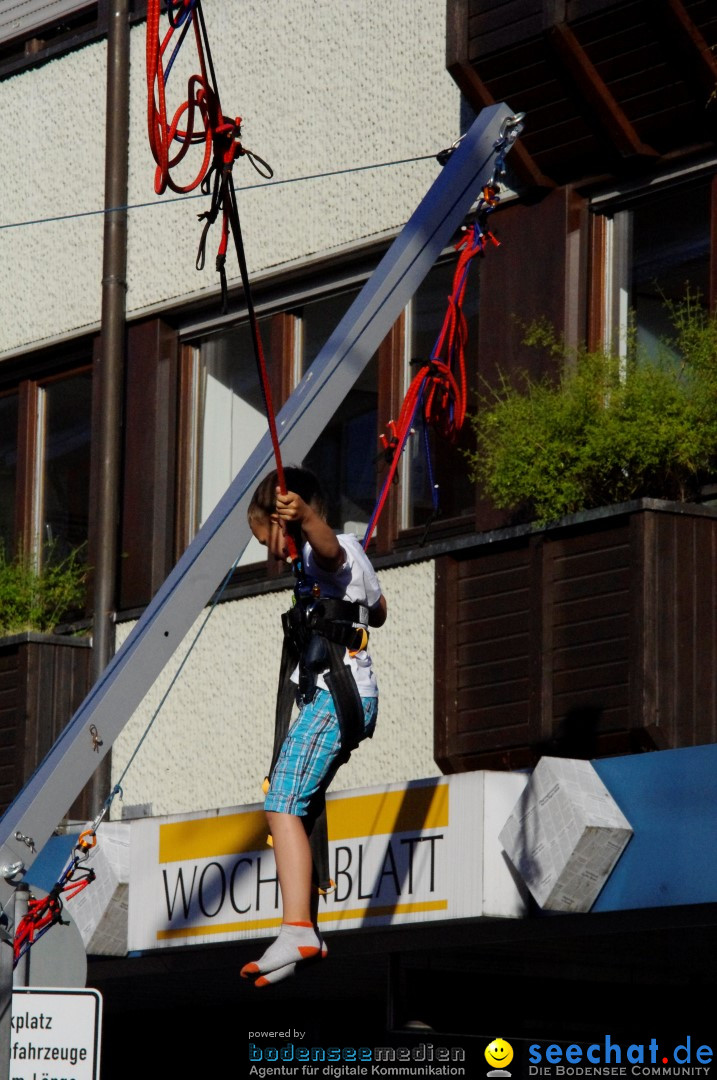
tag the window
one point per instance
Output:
(657, 248)
(45, 464)
(8, 471)
(63, 488)
(343, 456)
(228, 418)
(437, 469)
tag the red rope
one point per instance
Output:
(440, 387)
(201, 108)
(42, 914)
(205, 123)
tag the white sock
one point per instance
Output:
(295, 942)
(285, 972)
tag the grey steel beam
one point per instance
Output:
(31, 818)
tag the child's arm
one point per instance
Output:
(292, 510)
(378, 613)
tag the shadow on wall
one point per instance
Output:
(577, 734)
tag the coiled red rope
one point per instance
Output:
(201, 107)
(44, 913)
(221, 135)
(438, 391)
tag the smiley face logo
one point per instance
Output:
(499, 1053)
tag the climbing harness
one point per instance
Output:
(317, 633)
(46, 912)
(438, 391)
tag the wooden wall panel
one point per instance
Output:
(12, 726)
(149, 462)
(596, 639)
(607, 85)
(680, 665)
(589, 623)
(489, 653)
(42, 683)
(496, 24)
(522, 282)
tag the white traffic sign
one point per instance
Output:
(55, 1033)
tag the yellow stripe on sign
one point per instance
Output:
(219, 928)
(205, 838)
(409, 810)
(387, 909)
(327, 916)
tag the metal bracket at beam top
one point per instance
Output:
(135, 667)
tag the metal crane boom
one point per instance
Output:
(45, 799)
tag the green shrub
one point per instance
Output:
(609, 430)
(32, 599)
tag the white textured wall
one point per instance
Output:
(52, 149)
(211, 743)
(321, 85)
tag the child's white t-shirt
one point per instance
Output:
(355, 580)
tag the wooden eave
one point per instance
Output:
(609, 87)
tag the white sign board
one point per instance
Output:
(401, 853)
(55, 1032)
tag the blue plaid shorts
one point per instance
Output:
(310, 756)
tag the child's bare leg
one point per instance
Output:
(297, 938)
(294, 865)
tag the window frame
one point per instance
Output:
(284, 329)
(35, 43)
(611, 241)
(406, 535)
(279, 295)
(28, 380)
(280, 299)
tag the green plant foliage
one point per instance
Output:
(609, 430)
(32, 599)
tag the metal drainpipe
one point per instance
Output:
(109, 371)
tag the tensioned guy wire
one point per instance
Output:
(201, 195)
(117, 787)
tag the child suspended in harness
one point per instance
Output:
(331, 673)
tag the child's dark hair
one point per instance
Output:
(301, 481)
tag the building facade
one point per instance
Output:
(592, 639)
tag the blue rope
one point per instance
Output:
(186, 18)
(201, 195)
(429, 463)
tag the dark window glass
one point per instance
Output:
(8, 471)
(670, 254)
(344, 455)
(65, 462)
(436, 466)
